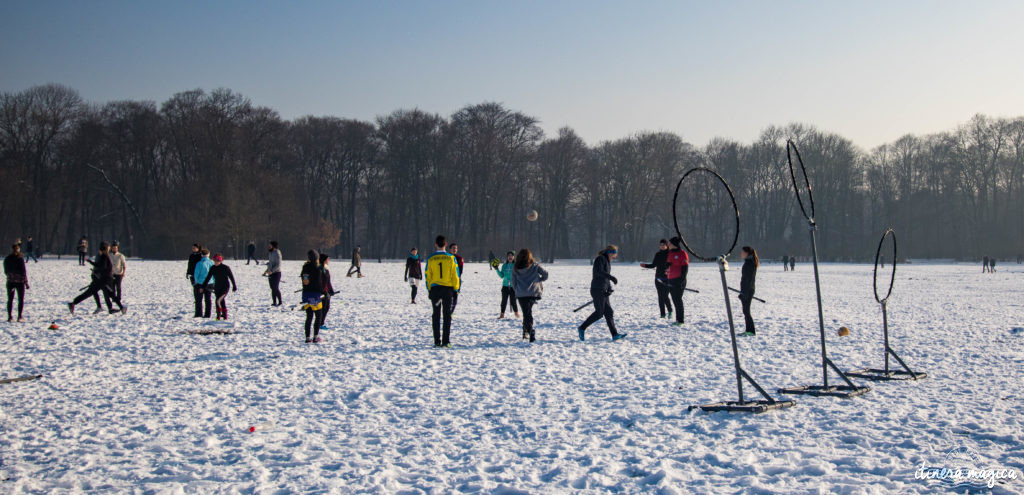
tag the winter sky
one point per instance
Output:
(869, 70)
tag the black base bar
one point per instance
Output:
(844, 391)
(741, 405)
(880, 375)
(755, 406)
(20, 379)
(848, 390)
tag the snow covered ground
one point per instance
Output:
(135, 403)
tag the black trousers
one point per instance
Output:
(442, 299)
(676, 288)
(355, 268)
(415, 289)
(275, 288)
(221, 302)
(117, 285)
(314, 319)
(326, 308)
(94, 289)
(527, 304)
(747, 319)
(81, 259)
(251, 257)
(12, 290)
(664, 303)
(602, 308)
(201, 293)
(508, 294)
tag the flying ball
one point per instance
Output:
(843, 331)
(252, 429)
(532, 215)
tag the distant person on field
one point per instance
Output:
(250, 253)
(273, 273)
(17, 280)
(312, 296)
(527, 281)
(413, 272)
(785, 263)
(102, 278)
(442, 283)
(678, 267)
(750, 264)
(329, 291)
(200, 289)
(660, 266)
(992, 265)
(30, 251)
(357, 263)
(220, 275)
(120, 266)
(454, 249)
(792, 263)
(83, 250)
(508, 294)
(984, 264)
(601, 290)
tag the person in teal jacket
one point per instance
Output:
(200, 291)
(508, 294)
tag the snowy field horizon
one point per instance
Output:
(140, 403)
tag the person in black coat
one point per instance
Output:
(325, 274)
(312, 295)
(660, 264)
(750, 264)
(102, 278)
(17, 280)
(222, 280)
(601, 290)
(192, 260)
(250, 253)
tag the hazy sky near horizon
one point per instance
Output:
(869, 70)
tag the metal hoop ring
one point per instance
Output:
(736, 210)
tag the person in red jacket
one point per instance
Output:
(678, 265)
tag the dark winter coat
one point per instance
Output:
(659, 264)
(102, 269)
(220, 274)
(192, 260)
(312, 278)
(413, 268)
(14, 268)
(747, 280)
(602, 275)
(325, 279)
(527, 281)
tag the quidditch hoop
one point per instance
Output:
(735, 209)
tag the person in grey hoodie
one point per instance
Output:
(273, 273)
(527, 278)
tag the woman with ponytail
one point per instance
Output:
(750, 264)
(678, 266)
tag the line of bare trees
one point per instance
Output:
(213, 167)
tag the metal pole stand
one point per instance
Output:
(888, 374)
(847, 390)
(741, 405)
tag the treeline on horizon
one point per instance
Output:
(213, 167)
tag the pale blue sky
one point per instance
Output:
(871, 70)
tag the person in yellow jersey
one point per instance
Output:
(442, 276)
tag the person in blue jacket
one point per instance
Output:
(508, 293)
(200, 290)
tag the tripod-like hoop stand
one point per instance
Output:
(849, 389)
(886, 373)
(742, 404)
